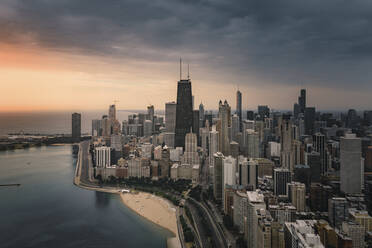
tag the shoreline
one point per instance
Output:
(153, 208)
(162, 213)
(150, 214)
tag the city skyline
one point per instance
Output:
(77, 58)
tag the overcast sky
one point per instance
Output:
(76, 54)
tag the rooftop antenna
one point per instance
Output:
(188, 71)
(180, 69)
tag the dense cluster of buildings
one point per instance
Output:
(295, 179)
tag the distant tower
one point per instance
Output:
(184, 110)
(286, 132)
(224, 114)
(239, 108)
(76, 127)
(351, 170)
(150, 115)
(201, 115)
(112, 112)
(302, 100)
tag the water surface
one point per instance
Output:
(47, 210)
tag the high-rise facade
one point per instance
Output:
(252, 143)
(247, 172)
(191, 155)
(201, 115)
(76, 127)
(96, 127)
(302, 100)
(103, 156)
(255, 202)
(112, 112)
(351, 164)
(296, 194)
(224, 114)
(213, 145)
(286, 133)
(150, 115)
(263, 111)
(320, 146)
(309, 120)
(184, 112)
(147, 128)
(239, 108)
(218, 176)
(281, 178)
(170, 117)
(338, 211)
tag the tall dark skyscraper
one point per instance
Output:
(76, 127)
(239, 108)
(184, 111)
(302, 100)
(309, 120)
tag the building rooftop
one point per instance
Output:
(255, 196)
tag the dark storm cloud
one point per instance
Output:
(316, 42)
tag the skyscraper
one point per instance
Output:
(247, 171)
(320, 146)
(191, 155)
(150, 115)
(296, 195)
(170, 117)
(351, 164)
(213, 145)
(263, 111)
(201, 115)
(224, 116)
(112, 112)
(309, 120)
(195, 123)
(184, 112)
(218, 176)
(239, 108)
(302, 100)
(281, 178)
(286, 132)
(76, 127)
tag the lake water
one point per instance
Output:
(47, 210)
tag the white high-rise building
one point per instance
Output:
(103, 156)
(351, 166)
(229, 173)
(213, 145)
(191, 155)
(255, 202)
(252, 144)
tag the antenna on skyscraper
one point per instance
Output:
(180, 68)
(188, 71)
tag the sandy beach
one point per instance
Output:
(153, 208)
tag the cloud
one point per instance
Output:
(277, 42)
